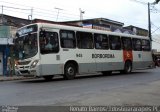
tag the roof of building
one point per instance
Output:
(14, 21)
(19, 22)
(52, 22)
(131, 26)
(97, 19)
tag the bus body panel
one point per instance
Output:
(137, 59)
(109, 60)
(147, 59)
(82, 56)
(50, 64)
(141, 59)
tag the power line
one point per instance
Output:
(64, 12)
(155, 30)
(17, 11)
(40, 8)
(155, 41)
(7, 8)
(139, 2)
(46, 11)
(50, 14)
(15, 8)
(40, 12)
(14, 3)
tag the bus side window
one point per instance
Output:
(146, 45)
(101, 41)
(126, 43)
(84, 40)
(67, 39)
(49, 43)
(137, 45)
(115, 42)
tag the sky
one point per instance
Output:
(128, 12)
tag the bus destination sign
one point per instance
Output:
(26, 30)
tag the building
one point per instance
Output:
(109, 25)
(97, 23)
(53, 22)
(8, 27)
(137, 30)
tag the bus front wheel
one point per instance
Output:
(69, 71)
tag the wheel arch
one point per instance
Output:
(73, 62)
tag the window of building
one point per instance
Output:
(49, 43)
(67, 39)
(84, 40)
(115, 42)
(101, 41)
(137, 45)
(146, 45)
(126, 43)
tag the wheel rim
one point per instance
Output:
(70, 71)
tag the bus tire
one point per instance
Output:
(48, 77)
(69, 71)
(127, 68)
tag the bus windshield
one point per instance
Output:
(26, 46)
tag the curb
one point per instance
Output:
(4, 78)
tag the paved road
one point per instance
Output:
(139, 88)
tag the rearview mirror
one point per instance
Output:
(17, 34)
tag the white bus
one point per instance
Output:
(44, 50)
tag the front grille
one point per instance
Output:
(24, 63)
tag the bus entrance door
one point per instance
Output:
(127, 55)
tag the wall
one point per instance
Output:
(4, 31)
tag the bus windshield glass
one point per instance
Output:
(26, 43)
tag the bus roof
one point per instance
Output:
(66, 27)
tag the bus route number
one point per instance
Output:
(79, 55)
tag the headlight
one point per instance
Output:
(15, 65)
(34, 63)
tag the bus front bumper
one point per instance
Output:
(26, 72)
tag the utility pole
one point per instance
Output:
(81, 14)
(58, 12)
(149, 17)
(31, 15)
(149, 23)
(2, 16)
